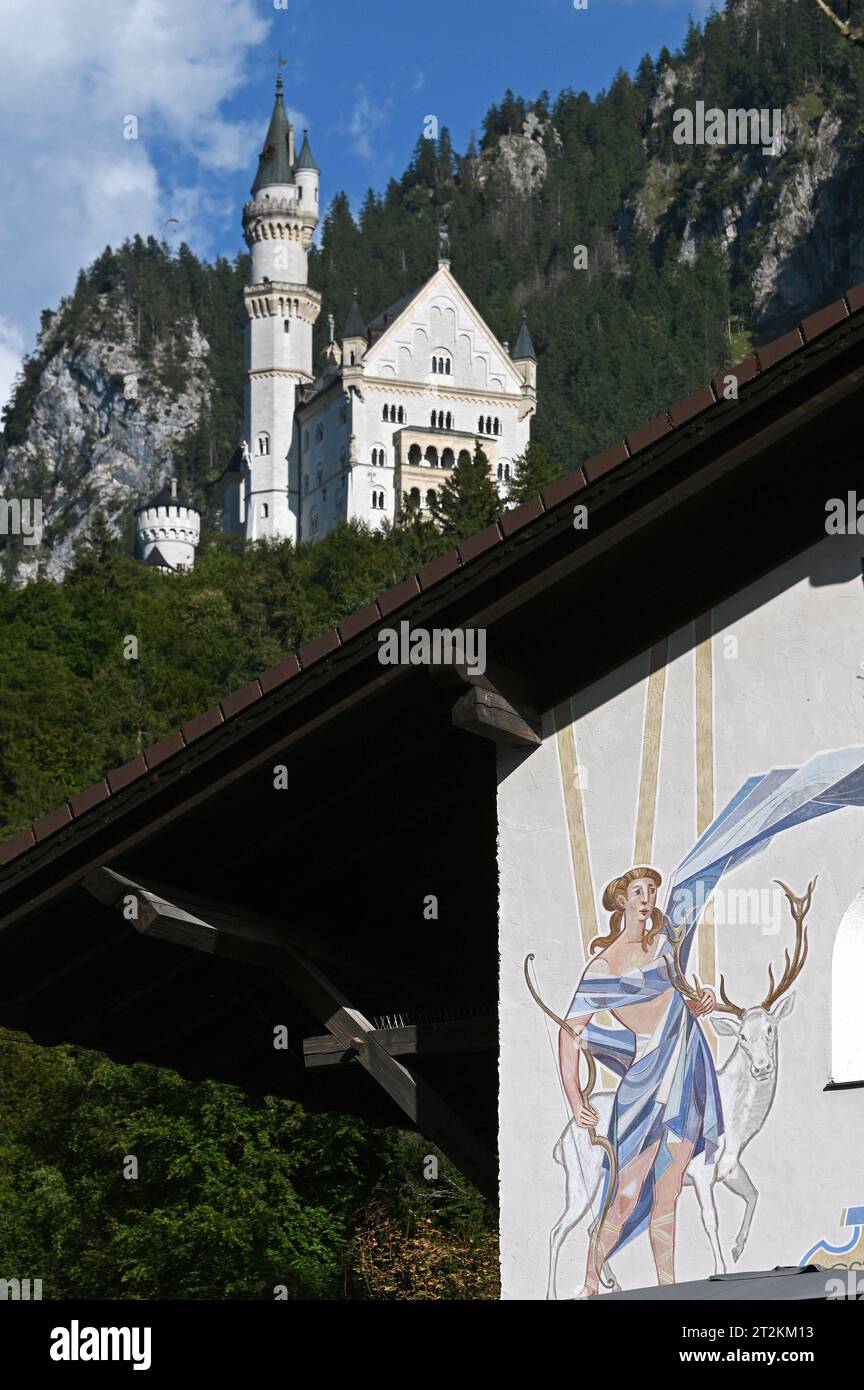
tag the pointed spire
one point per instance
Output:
(274, 161)
(306, 160)
(355, 326)
(524, 349)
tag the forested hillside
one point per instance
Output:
(693, 254)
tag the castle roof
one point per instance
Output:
(355, 324)
(166, 498)
(524, 348)
(274, 161)
(306, 161)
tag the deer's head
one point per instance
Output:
(756, 1028)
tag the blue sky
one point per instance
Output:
(198, 78)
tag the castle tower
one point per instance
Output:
(280, 312)
(168, 528)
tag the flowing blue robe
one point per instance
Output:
(668, 1088)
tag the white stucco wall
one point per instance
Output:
(791, 689)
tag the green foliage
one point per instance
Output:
(532, 472)
(468, 500)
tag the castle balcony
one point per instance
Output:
(425, 458)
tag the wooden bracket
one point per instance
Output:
(160, 916)
(499, 705)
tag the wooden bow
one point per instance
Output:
(599, 1140)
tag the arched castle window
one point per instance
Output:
(414, 498)
(432, 499)
(497, 426)
(464, 457)
(434, 418)
(432, 456)
(386, 413)
(401, 415)
(434, 365)
(313, 521)
(447, 459)
(480, 425)
(265, 510)
(319, 432)
(263, 443)
(449, 421)
(377, 499)
(287, 326)
(415, 454)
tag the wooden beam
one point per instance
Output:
(165, 920)
(499, 704)
(414, 1040)
(232, 930)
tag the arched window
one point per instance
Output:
(434, 418)
(286, 326)
(265, 510)
(434, 365)
(319, 432)
(432, 456)
(263, 443)
(432, 499)
(464, 457)
(441, 419)
(847, 1035)
(449, 421)
(414, 497)
(480, 425)
(313, 521)
(386, 413)
(401, 415)
(497, 426)
(415, 454)
(447, 459)
(377, 499)
(488, 424)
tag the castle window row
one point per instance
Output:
(442, 366)
(378, 499)
(395, 415)
(488, 426)
(440, 421)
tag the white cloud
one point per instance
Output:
(366, 118)
(11, 351)
(72, 183)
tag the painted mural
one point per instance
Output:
(667, 1057)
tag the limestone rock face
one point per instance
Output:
(101, 436)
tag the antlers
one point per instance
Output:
(677, 978)
(799, 907)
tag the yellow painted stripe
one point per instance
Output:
(705, 778)
(651, 737)
(572, 774)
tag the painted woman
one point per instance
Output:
(667, 1106)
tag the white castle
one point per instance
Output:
(396, 401)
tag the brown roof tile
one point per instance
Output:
(15, 845)
(693, 404)
(319, 647)
(50, 824)
(521, 515)
(742, 372)
(778, 349)
(365, 617)
(165, 748)
(595, 467)
(122, 776)
(823, 319)
(855, 298)
(202, 724)
(89, 798)
(475, 545)
(647, 434)
(438, 569)
(400, 593)
(239, 699)
(562, 488)
(280, 673)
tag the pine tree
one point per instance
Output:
(468, 501)
(533, 470)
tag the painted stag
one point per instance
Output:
(748, 1085)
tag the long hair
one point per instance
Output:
(616, 920)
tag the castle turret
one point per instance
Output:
(168, 528)
(524, 357)
(354, 340)
(281, 310)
